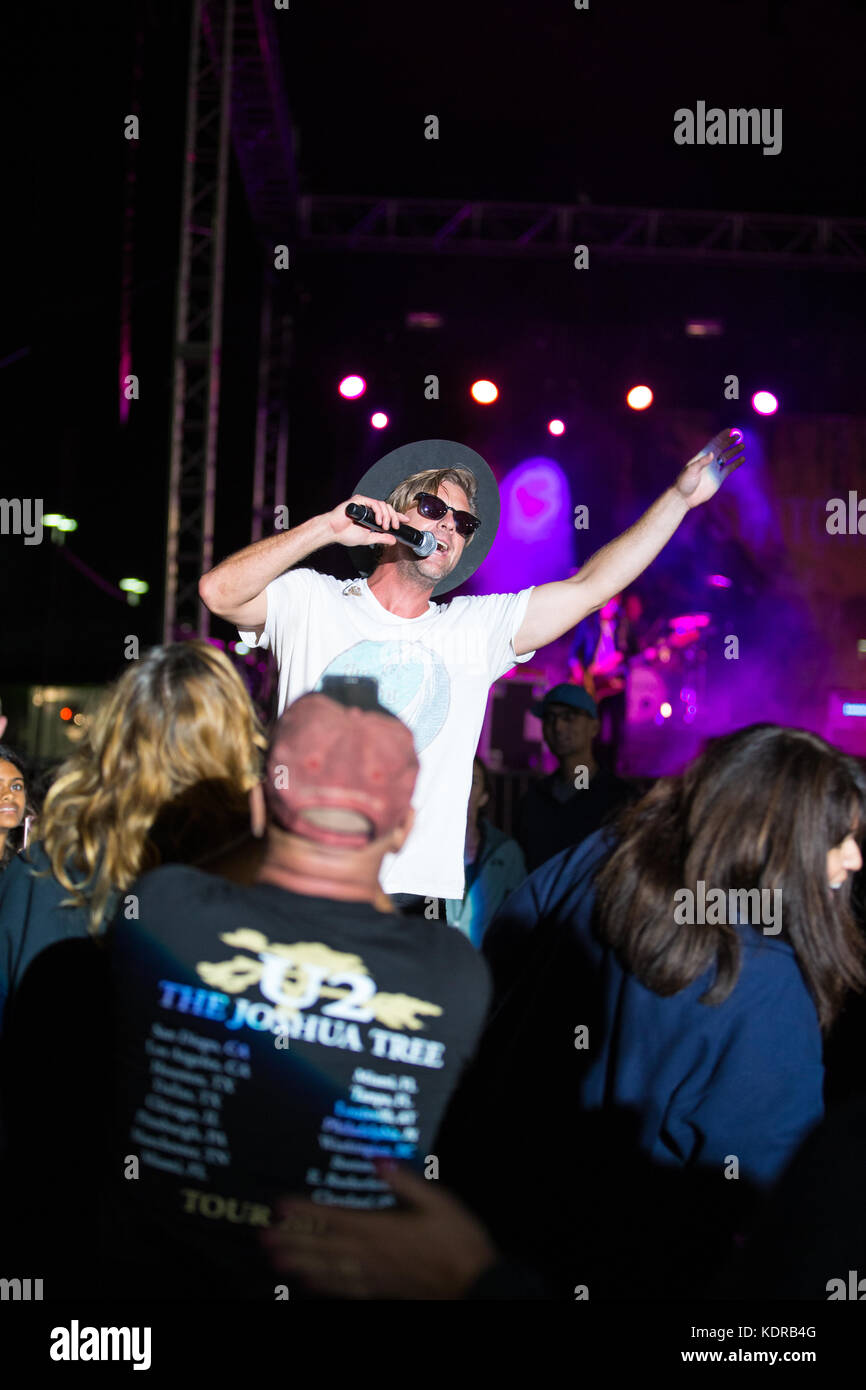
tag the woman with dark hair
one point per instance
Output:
(653, 1057)
(652, 1061)
(14, 805)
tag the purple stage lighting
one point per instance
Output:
(556, 426)
(378, 420)
(351, 387)
(765, 403)
(537, 535)
(719, 581)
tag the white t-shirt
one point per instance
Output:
(434, 672)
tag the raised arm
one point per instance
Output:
(235, 588)
(554, 609)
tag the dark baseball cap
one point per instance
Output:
(567, 694)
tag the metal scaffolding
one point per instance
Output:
(264, 146)
(198, 321)
(235, 92)
(450, 226)
(272, 408)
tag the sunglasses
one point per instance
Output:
(433, 508)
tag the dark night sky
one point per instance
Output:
(535, 101)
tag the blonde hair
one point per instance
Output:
(430, 480)
(178, 717)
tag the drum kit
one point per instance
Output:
(666, 678)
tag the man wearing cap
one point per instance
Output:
(560, 810)
(282, 1036)
(434, 663)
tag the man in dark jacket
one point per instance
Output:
(560, 810)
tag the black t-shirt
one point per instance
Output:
(546, 825)
(269, 1043)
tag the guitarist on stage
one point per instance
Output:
(604, 642)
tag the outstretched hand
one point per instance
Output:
(704, 474)
(432, 1248)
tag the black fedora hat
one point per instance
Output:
(425, 454)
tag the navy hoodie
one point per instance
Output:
(646, 1108)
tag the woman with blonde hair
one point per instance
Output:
(163, 775)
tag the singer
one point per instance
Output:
(434, 663)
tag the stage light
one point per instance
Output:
(536, 539)
(66, 713)
(59, 522)
(133, 586)
(556, 426)
(423, 319)
(765, 403)
(639, 397)
(704, 328)
(719, 581)
(379, 420)
(665, 710)
(484, 392)
(351, 387)
(241, 648)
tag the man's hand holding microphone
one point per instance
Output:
(348, 532)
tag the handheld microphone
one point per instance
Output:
(422, 542)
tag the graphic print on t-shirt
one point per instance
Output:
(272, 988)
(295, 976)
(413, 682)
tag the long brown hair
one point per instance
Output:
(759, 808)
(178, 717)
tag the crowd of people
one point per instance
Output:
(224, 1050)
(285, 1014)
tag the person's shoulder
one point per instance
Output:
(30, 871)
(767, 956)
(464, 961)
(499, 844)
(13, 874)
(493, 836)
(770, 993)
(307, 580)
(180, 883)
(485, 603)
(34, 858)
(572, 866)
